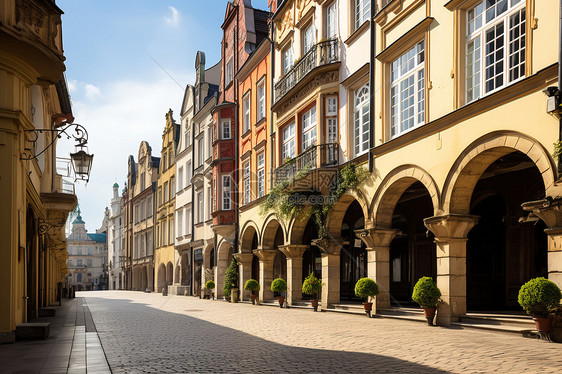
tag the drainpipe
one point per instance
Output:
(236, 136)
(271, 99)
(372, 87)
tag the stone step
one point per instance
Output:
(47, 312)
(521, 330)
(522, 322)
(32, 331)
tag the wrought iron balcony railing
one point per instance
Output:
(323, 53)
(315, 157)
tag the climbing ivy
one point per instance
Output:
(288, 204)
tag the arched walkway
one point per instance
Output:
(161, 277)
(169, 273)
(223, 261)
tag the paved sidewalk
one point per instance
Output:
(73, 345)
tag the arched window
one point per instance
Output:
(79, 277)
(361, 120)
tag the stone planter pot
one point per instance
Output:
(429, 314)
(368, 308)
(281, 300)
(314, 303)
(253, 298)
(543, 324)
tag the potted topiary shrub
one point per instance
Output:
(253, 286)
(230, 281)
(210, 285)
(279, 285)
(366, 288)
(312, 286)
(540, 297)
(428, 296)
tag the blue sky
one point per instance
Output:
(128, 62)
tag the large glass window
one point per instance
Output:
(309, 130)
(180, 179)
(288, 147)
(226, 190)
(331, 20)
(308, 38)
(331, 119)
(247, 187)
(407, 91)
(200, 150)
(362, 12)
(229, 71)
(188, 221)
(261, 174)
(495, 46)
(200, 208)
(225, 126)
(288, 59)
(361, 120)
(246, 113)
(180, 222)
(261, 99)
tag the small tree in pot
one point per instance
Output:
(312, 286)
(210, 285)
(230, 281)
(279, 285)
(366, 288)
(540, 297)
(427, 295)
(253, 286)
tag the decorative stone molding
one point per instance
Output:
(450, 226)
(243, 258)
(265, 255)
(549, 210)
(328, 246)
(293, 250)
(376, 237)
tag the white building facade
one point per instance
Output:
(115, 242)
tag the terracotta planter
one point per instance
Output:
(281, 300)
(368, 308)
(543, 324)
(314, 303)
(429, 314)
(253, 298)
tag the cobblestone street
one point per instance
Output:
(143, 332)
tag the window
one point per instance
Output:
(188, 173)
(79, 275)
(331, 119)
(188, 221)
(288, 147)
(309, 129)
(288, 59)
(157, 236)
(407, 91)
(172, 188)
(164, 160)
(79, 262)
(166, 192)
(247, 196)
(362, 11)
(137, 213)
(246, 113)
(89, 262)
(210, 139)
(149, 245)
(229, 71)
(261, 99)
(261, 174)
(172, 231)
(187, 135)
(164, 233)
(149, 207)
(495, 46)
(69, 262)
(308, 39)
(209, 203)
(331, 20)
(160, 196)
(226, 188)
(180, 179)
(200, 213)
(142, 181)
(225, 129)
(200, 151)
(361, 120)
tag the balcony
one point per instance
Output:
(323, 53)
(312, 162)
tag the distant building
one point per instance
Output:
(87, 258)
(115, 253)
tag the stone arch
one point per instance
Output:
(161, 277)
(269, 230)
(225, 250)
(169, 273)
(335, 216)
(247, 236)
(392, 188)
(480, 154)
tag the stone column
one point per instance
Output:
(330, 248)
(266, 257)
(294, 254)
(244, 271)
(451, 232)
(550, 211)
(378, 242)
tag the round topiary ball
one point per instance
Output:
(210, 285)
(366, 287)
(426, 293)
(539, 297)
(279, 285)
(252, 285)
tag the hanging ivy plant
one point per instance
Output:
(288, 204)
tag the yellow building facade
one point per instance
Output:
(34, 204)
(164, 254)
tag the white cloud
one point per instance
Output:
(128, 112)
(174, 18)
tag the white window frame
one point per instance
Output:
(226, 192)
(361, 124)
(261, 174)
(229, 71)
(247, 185)
(308, 38)
(200, 151)
(200, 207)
(209, 203)
(331, 119)
(225, 129)
(362, 11)
(188, 221)
(309, 129)
(179, 221)
(288, 58)
(246, 113)
(288, 146)
(180, 178)
(332, 20)
(261, 99)
(479, 22)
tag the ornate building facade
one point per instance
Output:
(115, 240)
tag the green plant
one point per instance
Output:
(539, 297)
(252, 285)
(279, 285)
(426, 293)
(288, 204)
(210, 285)
(366, 288)
(312, 286)
(557, 149)
(230, 278)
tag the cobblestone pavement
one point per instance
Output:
(177, 334)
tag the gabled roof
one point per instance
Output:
(98, 237)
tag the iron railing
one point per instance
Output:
(315, 157)
(64, 170)
(323, 53)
